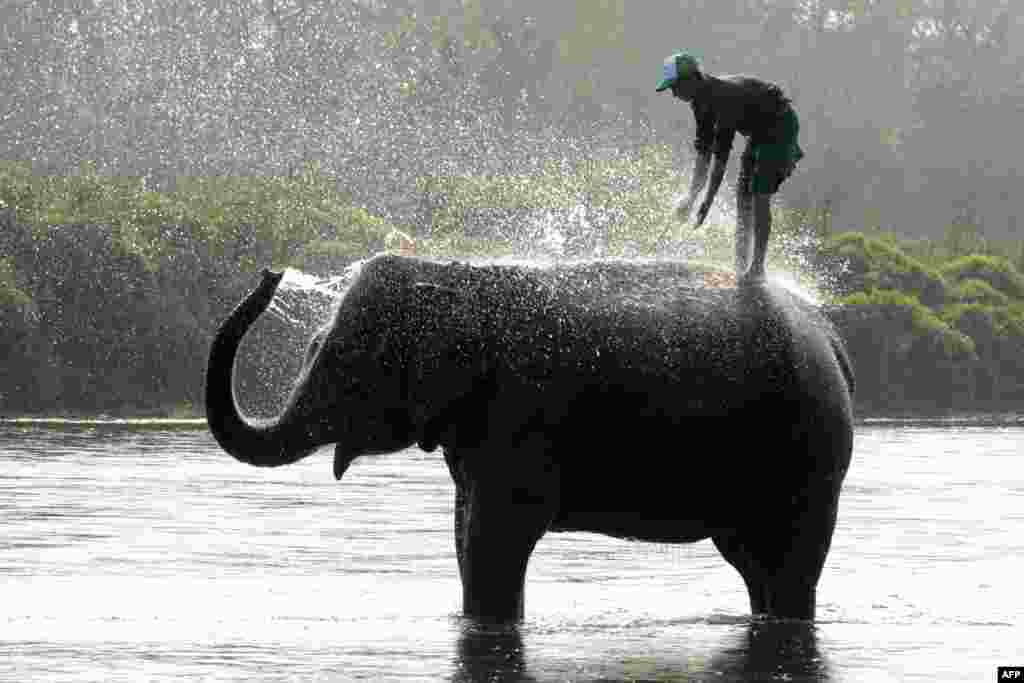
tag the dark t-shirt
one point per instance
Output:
(726, 105)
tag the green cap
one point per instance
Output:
(677, 66)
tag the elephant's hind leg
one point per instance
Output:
(780, 558)
(460, 525)
(454, 467)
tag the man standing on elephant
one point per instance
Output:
(723, 106)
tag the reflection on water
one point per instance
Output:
(137, 551)
(766, 650)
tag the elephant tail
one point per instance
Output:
(839, 348)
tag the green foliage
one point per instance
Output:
(996, 271)
(109, 291)
(10, 294)
(876, 253)
(925, 321)
(1010, 322)
(886, 297)
(938, 252)
(980, 318)
(80, 199)
(877, 262)
(281, 213)
(16, 185)
(1003, 322)
(975, 291)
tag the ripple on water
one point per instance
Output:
(150, 555)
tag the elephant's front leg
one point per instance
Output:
(508, 508)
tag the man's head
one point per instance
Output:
(681, 73)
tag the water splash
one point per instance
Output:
(794, 286)
(792, 263)
(419, 136)
(303, 298)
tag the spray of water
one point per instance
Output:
(303, 298)
(426, 136)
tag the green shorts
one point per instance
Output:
(775, 161)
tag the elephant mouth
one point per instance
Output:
(344, 456)
(342, 459)
(380, 438)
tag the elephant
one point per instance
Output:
(620, 397)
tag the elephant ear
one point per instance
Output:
(446, 364)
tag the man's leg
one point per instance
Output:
(762, 230)
(744, 212)
(775, 162)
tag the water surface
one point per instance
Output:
(138, 551)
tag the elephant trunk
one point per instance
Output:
(265, 443)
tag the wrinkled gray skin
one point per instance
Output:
(618, 398)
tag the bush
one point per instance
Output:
(925, 322)
(974, 291)
(110, 292)
(997, 271)
(999, 322)
(10, 295)
(876, 264)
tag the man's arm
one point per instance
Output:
(702, 147)
(723, 145)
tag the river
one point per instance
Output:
(136, 550)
